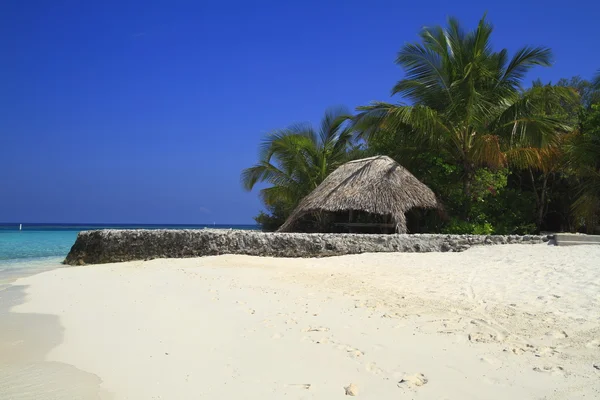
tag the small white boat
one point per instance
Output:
(20, 227)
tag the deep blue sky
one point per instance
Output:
(121, 111)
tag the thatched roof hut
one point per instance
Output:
(375, 185)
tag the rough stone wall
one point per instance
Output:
(105, 246)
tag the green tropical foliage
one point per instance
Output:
(295, 160)
(584, 157)
(467, 100)
(503, 158)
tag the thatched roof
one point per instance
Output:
(376, 185)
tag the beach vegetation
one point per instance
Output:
(293, 161)
(503, 155)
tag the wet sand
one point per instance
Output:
(25, 341)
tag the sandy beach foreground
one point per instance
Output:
(497, 322)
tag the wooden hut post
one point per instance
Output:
(401, 223)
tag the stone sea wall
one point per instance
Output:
(106, 246)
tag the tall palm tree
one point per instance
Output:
(295, 160)
(583, 156)
(466, 99)
(554, 102)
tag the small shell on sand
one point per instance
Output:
(351, 390)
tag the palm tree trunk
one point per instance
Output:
(542, 207)
(537, 196)
(540, 198)
(467, 186)
(468, 179)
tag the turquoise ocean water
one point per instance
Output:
(43, 246)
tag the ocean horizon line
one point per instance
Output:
(118, 224)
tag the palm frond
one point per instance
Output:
(486, 150)
(455, 37)
(332, 123)
(525, 59)
(264, 172)
(529, 121)
(424, 70)
(294, 160)
(481, 38)
(522, 158)
(426, 120)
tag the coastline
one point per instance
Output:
(494, 322)
(14, 269)
(27, 338)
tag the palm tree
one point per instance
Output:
(554, 102)
(466, 100)
(295, 160)
(583, 156)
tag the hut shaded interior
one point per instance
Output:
(364, 222)
(354, 221)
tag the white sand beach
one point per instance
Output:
(495, 322)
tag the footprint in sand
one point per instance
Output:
(277, 335)
(516, 351)
(316, 329)
(319, 340)
(373, 368)
(594, 344)
(412, 381)
(268, 323)
(481, 337)
(554, 370)
(546, 351)
(557, 334)
(352, 352)
(323, 340)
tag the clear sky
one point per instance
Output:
(146, 112)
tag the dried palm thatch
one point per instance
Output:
(376, 185)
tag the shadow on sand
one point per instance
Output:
(25, 341)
